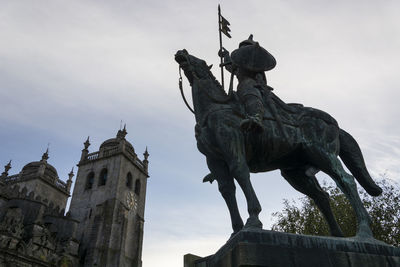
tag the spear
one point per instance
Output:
(222, 28)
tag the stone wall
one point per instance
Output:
(33, 232)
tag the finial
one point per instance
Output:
(6, 169)
(87, 143)
(69, 181)
(145, 161)
(249, 41)
(45, 156)
(8, 166)
(146, 154)
(71, 174)
(122, 133)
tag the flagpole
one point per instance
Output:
(220, 47)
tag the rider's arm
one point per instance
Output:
(227, 62)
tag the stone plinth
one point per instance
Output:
(264, 248)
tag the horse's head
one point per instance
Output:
(193, 67)
(206, 90)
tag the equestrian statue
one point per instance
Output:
(252, 130)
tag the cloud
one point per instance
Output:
(69, 69)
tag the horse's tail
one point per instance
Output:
(352, 157)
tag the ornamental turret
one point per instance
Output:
(146, 161)
(41, 179)
(45, 156)
(43, 163)
(69, 181)
(85, 150)
(6, 169)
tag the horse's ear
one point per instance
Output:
(209, 67)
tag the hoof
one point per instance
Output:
(233, 234)
(253, 223)
(364, 231)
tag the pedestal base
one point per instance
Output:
(264, 248)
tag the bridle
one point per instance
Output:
(181, 89)
(230, 94)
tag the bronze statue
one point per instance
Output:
(298, 140)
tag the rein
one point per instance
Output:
(222, 101)
(182, 93)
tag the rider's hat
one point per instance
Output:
(251, 56)
(248, 41)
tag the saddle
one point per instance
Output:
(275, 109)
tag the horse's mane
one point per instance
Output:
(215, 92)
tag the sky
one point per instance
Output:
(72, 69)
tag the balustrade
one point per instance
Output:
(12, 178)
(93, 156)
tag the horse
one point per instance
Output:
(306, 142)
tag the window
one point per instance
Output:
(129, 180)
(89, 181)
(103, 177)
(137, 187)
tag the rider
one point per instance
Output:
(249, 62)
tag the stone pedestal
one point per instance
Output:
(264, 248)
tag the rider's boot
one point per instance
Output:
(255, 111)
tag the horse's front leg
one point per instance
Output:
(242, 175)
(231, 142)
(227, 188)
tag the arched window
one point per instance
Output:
(89, 181)
(137, 187)
(103, 177)
(129, 180)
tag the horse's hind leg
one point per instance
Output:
(331, 165)
(227, 188)
(309, 186)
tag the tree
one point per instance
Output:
(307, 219)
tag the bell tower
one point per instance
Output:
(109, 202)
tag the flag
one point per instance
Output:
(224, 26)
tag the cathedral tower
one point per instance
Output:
(109, 201)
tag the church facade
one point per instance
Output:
(104, 224)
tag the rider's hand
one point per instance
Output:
(223, 52)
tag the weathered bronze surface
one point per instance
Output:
(238, 136)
